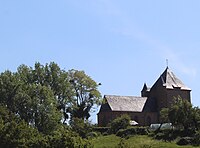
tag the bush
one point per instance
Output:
(101, 129)
(196, 139)
(119, 123)
(67, 138)
(92, 135)
(81, 127)
(132, 131)
(185, 141)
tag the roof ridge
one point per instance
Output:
(124, 96)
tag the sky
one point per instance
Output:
(121, 44)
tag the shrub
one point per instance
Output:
(81, 127)
(132, 131)
(185, 141)
(67, 138)
(167, 135)
(92, 135)
(120, 123)
(101, 129)
(196, 139)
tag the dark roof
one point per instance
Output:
(170, 81)
(104, 107)
(146, 88)
(125, 103)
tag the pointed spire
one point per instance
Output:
(170, 81)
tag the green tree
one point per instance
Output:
(86, 94)
(52, 77)
(32, 101)
(39, 95)
(182, 114)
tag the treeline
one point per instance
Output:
(36, 103)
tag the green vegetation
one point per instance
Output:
(185, 120)
(182, 115)
(35, 104)
(144, 141)
(121, 122)
(47, 107)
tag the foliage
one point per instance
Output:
(34, 102)
(182, 115)
(137, 141)
(167, 134)
(43, 96)
(101, 129)
(185, 141)
(123, 144)
(121, 122)
(81, 127)
(14, 132)
(196, 139)
(50, 77)
(66, 138)
(85, 94)
(132, 131)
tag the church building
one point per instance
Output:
(144, 109)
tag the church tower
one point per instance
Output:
(168, 87)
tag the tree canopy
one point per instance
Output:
(182, 114)
(45, 95)
(36, 101)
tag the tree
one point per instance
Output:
(29, 98)
(181, 114)
(85, 93)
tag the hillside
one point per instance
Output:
(113, 141)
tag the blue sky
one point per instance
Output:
(121, 44)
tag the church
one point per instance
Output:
(144, 109)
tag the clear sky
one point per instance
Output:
(120, 43)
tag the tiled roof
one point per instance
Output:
(126, 103)
(170, 81)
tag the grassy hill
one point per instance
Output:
(113, 141)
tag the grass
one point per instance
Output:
(112, 141)
(109, 141)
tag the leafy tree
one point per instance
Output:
(164, 115)
(39, 95)
(9, 85)
(181, 114)
(30, 99)
(14, 132)
(52, 77)
(85, 95)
